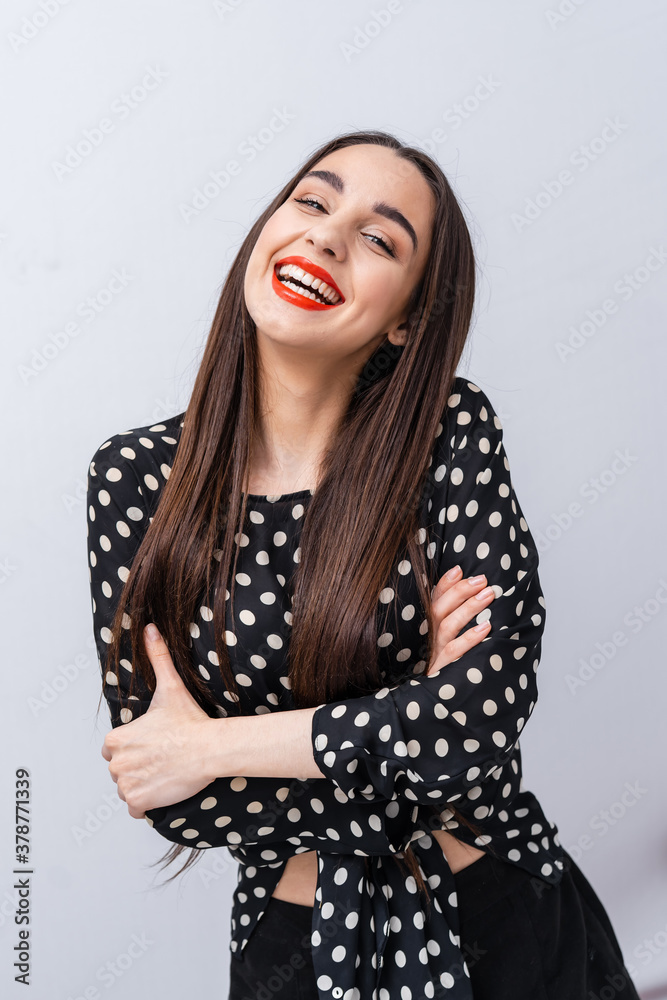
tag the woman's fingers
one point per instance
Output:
(458, 602)
(454, 605)
(449, 592)
(452, 621)
(458, 646)
(446, 582)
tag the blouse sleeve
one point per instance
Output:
(229, 811)
(118, 517)
(431, 738)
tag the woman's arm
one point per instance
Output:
(432, 738)
(275, 744)
(230, 810)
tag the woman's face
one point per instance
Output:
(362, 225)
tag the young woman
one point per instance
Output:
(350, 616)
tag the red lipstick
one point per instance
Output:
(281, 289)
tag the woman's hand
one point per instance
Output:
(158, 759)
(455, 602)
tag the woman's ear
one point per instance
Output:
(398, 334)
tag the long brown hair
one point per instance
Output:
(371, 485)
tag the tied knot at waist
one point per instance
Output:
(369, 916)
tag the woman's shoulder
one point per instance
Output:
(468, 408)
(140, 455)
(468, 397)
(144, 440)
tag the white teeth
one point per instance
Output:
(301, 291)
(323, 290)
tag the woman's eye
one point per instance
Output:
(381, 242)
(309, 201)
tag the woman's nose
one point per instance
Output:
(327, 241)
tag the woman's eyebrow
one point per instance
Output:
(380, 207)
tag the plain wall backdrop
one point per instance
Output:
(115, 238)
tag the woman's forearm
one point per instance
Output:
(272, 745)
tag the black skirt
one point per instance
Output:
(521, 937)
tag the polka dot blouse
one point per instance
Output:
(394, 760)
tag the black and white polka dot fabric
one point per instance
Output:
(394, 760)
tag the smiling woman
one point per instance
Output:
(351, 733)
(312, 288)
(349, 246)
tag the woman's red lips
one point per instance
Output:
(296, 298)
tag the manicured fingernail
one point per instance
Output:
(483, 594)
(476, 579)
(152, 633)
(482, 627)
(453, 573)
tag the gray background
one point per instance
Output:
(584, 430)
